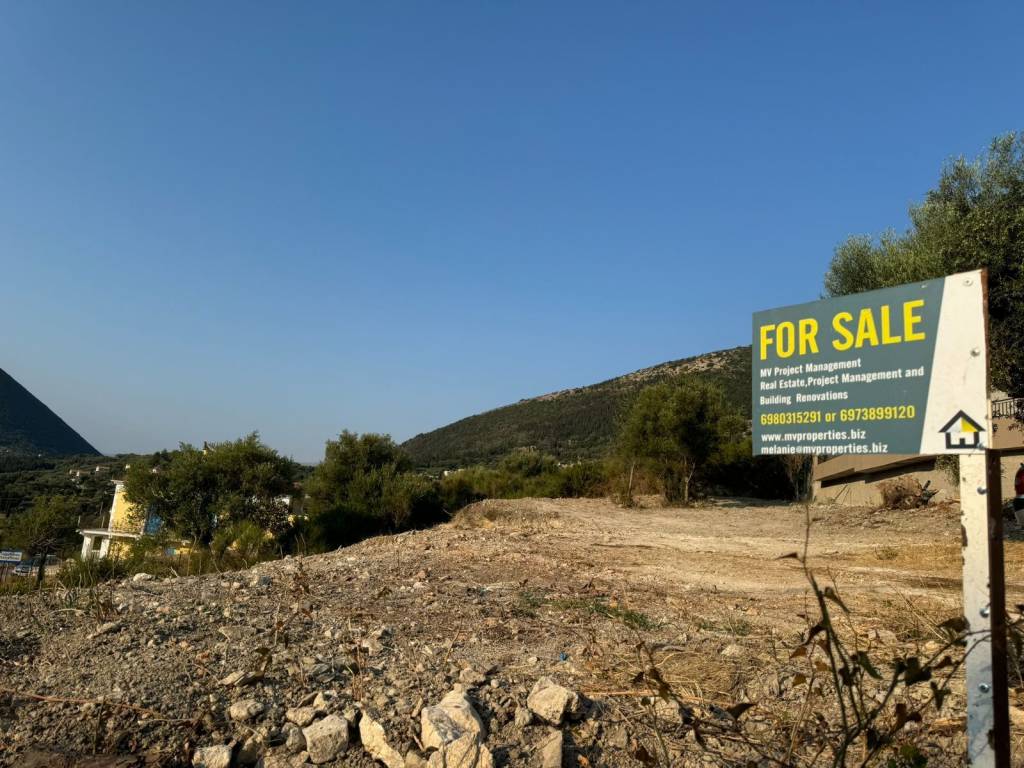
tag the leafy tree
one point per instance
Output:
(194, 491)
(973, 218)
(49, 526)
(676, 429)
(363, 487)
(353, 465)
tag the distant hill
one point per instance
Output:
(574, 423)
(28, 427)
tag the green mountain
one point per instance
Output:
(28, 427)
(574, 423)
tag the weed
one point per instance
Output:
(730, 625)
(529, 602)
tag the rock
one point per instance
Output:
(471, 676)
(732, 650)
(105, 629)
(616, 735)
(260, 580)
(449, 720)
(236, 632)
(465, 752)
(551, 702)
(301, 716)
(295, 742)
(249, 752)
(139, 577)
(279, 760)
(326, 739)
(551, 749)
(414, 759)
(323, 700)
(212, 757)
(375, 742)
(523, 717)
(245, 710)
(239, 679)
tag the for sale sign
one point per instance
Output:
(899, 370)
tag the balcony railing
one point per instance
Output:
(1009, 408)
(101, 523)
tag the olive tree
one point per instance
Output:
(676, 429)
(194, 491)
(973, 218)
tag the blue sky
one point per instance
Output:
(304, 217)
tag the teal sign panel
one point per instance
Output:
(897, 371)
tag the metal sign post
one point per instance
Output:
(981, 517)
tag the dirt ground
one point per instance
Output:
(582, 591)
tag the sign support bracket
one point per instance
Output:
(988, 727)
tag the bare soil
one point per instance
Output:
(583, 591)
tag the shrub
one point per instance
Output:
(735, 472)
(902, 493)
(78, 573)
(244, 541)
(410, 501)
(458, 490)
(585, 479)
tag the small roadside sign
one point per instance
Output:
(900, 370)
(10, 555)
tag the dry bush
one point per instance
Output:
(491, 513)
(902, 493)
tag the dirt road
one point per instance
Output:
(737, 547)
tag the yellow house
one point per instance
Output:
(124, 525)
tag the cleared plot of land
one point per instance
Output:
(580, 590)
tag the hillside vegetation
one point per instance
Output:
(573, 424)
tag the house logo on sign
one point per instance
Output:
(962, 432)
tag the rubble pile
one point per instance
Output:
(445, 648)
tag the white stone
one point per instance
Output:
(301, 716)
(449, 720)
(239, 679)
(295, 742)
(551, 702)
(278, 760)
(212, 757)
(465, 752)
(551, 749)
(375, 742)
(326, 739)
(322, 700)
(245, 709)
